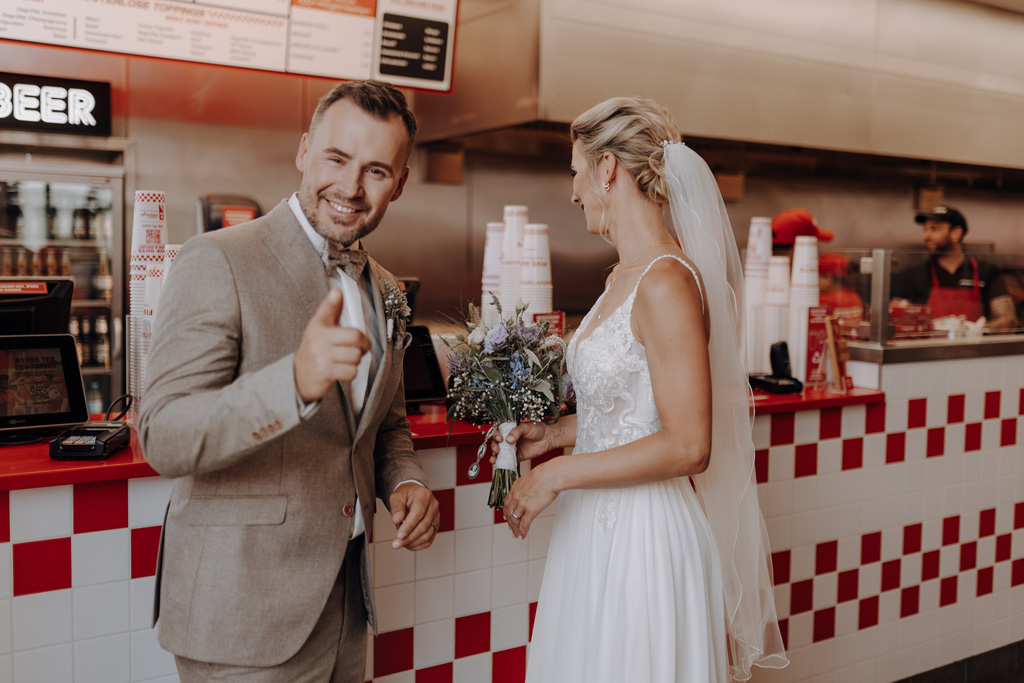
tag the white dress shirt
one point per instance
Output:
(352, 315)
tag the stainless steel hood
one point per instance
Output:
(921, 79)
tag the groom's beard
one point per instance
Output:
(308, 203)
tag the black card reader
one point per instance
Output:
(90, 441)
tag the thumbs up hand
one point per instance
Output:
(328, 353)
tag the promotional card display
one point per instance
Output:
(818, 353)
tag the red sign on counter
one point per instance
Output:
(817, 346)
(554, 319)
(26, 288)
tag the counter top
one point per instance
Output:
(917, 350)
(27, 466)
(813, 398)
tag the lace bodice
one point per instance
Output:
(614, 398)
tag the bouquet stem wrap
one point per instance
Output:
(506, 468)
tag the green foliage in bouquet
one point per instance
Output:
(508, 373)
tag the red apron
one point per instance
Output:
(945, 301)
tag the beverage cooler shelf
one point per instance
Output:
(64, 218)
(95, 244)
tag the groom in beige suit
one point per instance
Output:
(275, 398)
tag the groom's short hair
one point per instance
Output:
(377, 98)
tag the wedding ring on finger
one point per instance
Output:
(434, 526)
(515, 516)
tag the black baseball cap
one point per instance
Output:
(943, 214)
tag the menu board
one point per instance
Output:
(404, 42)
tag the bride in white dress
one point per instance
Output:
(658, 565)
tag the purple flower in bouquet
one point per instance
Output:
(568, 391)
(531, 332)
(495, 339)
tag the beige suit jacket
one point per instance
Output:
(255, 531)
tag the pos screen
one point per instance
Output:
(40, 382)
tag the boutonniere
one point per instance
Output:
(396, 310)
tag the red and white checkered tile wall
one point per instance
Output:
(76, 583)
(897, 529)
(897, 532)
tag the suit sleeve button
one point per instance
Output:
(348, 510)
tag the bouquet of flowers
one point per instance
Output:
(502, 375)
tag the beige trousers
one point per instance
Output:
(335, 651)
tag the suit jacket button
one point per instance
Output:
(348, 510)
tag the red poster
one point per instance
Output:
(555, 321)
(236, 215)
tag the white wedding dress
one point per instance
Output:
(632, 590)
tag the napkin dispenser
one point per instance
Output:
(781, 381)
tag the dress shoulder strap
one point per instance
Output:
(693, 271)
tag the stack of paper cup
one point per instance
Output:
(776, 305)
(535, 285)
(149, 236)
(491, 282)
(759, 250)
(170, 253)
(803, 294)
(149, 221)
(515, 219)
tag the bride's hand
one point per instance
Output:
(531, 439)
(530, 495)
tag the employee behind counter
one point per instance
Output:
(951, 282)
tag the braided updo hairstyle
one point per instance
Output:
(633, 129)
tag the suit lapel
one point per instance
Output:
(299, 261)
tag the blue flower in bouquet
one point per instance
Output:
(520, 372)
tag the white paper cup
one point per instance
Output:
(170, 253)
(805, 262)
(759, 243)
(536, 242)
(149, 219)
(515, 218)
(492, 254)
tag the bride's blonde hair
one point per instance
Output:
(634, 130)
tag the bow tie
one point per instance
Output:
(352, 261)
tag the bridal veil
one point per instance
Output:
(727, 489)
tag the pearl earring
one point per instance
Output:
(607, 186)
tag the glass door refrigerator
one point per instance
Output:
(62, 215)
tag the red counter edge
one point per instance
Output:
(29, 466)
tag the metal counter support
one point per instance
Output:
(881, 270)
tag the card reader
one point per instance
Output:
(90, 441)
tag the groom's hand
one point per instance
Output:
(416, 514)
(328, 353)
